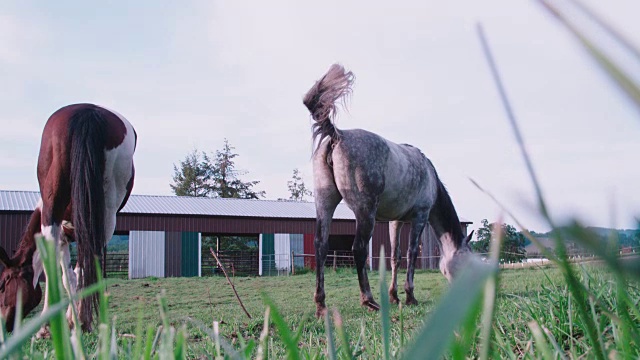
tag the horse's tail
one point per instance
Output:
(87, 133)
(322, 99)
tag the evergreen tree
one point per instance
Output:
(200, 175)
(297, 188)
(225, 177)
(192, 177)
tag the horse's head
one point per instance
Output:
(453, 262)
(16, 278)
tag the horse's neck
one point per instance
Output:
(27, 246)
(445, 222)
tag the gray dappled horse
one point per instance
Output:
(378, 180)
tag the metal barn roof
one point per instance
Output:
(186, 205)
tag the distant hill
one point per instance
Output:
(626, 238)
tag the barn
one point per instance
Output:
(165, 233)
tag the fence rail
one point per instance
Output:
(115, 265)
(242, 263)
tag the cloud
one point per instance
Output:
(190, 76)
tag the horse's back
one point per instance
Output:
(359, 159)
(116, 135)
(60, 126)
(368, 167)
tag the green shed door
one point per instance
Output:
(268, 259)
(190, 252)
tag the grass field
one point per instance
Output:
(524, 295)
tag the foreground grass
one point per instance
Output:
(525, 295)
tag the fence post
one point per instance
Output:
(335, 257)
(293, 268)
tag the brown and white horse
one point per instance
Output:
(85, 172)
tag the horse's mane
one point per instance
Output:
(445, 214)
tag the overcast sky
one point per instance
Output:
(189, 74)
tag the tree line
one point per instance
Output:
(514, 242)
(215, 175)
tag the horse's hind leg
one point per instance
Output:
(396, 256)
(364, 230)
(69, 279)
(417, 225)
(326, 202)
(55, 191)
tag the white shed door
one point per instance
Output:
(282, 247)
(146, 254)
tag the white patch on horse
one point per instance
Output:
(36, 262)
(38, 268)
(117, 174)
(69, 279)
(51, 232)
(448, 251)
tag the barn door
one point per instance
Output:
(190, 254)
(268, 264)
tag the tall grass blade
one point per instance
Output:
(216, 338)
(113, 351)
(137, 349)
(592, 242)
(490, 295)
(3, 333)
(402, 339)
(18, 316)
(540, 341)
(58, 324)
(622, 79)
(291, 346)
(347, 352)
(467, 332)
(230, 352)
(435, 337)
(577, 291)
(384, 306)
(29, 328)
(262, 352)
(180, 351)
(511, 116)
(148, 348)
(331, 346)
(617, 35)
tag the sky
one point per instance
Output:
(189, 74)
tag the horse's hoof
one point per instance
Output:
(411, 301)
(43, 333)
(321, 312)
(371, 305)
(393, 297)
(86, 328)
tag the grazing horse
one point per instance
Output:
(85, 171)
(378, 180)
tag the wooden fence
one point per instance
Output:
(117, 264)
(241, 263)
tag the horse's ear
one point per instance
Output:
(4, 258)
(468, 238)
